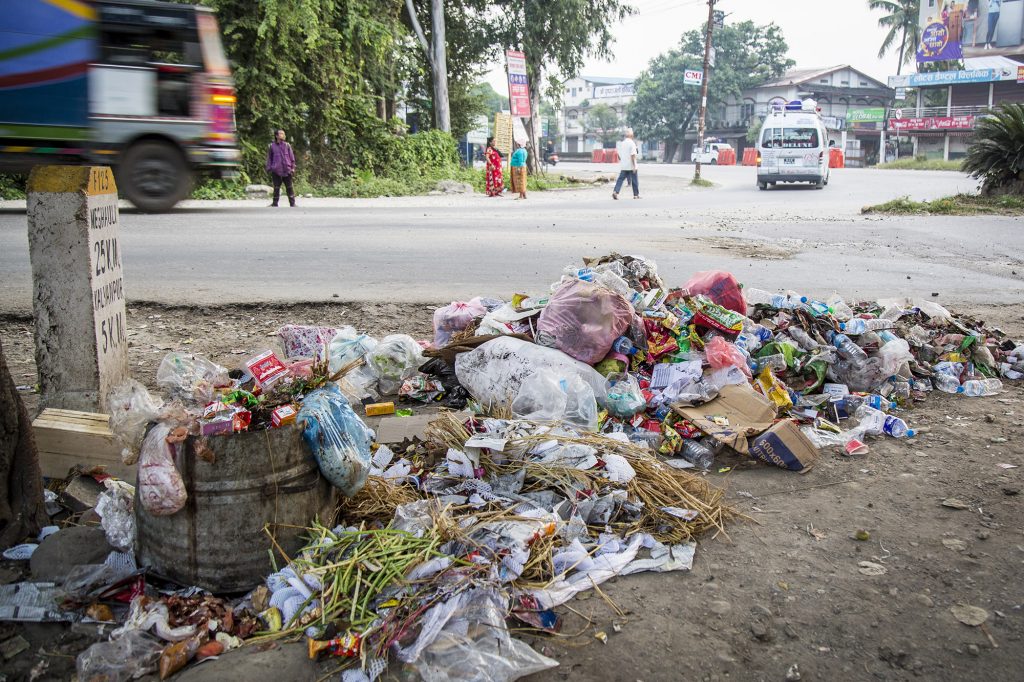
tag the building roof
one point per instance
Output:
(607, 80)
(798, 76)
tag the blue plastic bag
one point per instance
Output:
(337, 437)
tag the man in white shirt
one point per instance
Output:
(627, 165)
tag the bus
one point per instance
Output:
(141, 86)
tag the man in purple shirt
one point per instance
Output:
(281, 166)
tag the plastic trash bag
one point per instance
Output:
(304, 341)
(117, 516)
(720, 287)
(161, 490)
(455, 317)
(128, 657)
(338, 438)
(131, 408)
(346, 347)
(547, 396)
(396, 358)
(583, 320)
(494, 372)
(468, 641)
(893, 355)
(623, 395)
(191, 378)
(720, 353)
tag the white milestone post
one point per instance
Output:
(77, 285)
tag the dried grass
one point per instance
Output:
(376, 502)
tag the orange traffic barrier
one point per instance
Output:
(727, 157)
(598, 156)
(750, 156)
(611, 155)
(836, 158)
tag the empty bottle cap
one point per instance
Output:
(842, 326)
(803, 299)
(910, 433)
(959, 389)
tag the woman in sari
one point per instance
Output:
(493, 177)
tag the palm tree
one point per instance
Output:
(901, 20)
(996, 156)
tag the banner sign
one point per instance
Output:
(518, 84)
(913, 80)
(871, 115)
(933, 123)
(608, 91)
(693, 77)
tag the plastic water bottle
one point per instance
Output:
(698, 454)
(897, 428)
(981, 387)
(777, 362)
(762, 297)
(849, 350)
(815, 308)
(872, 421)
(873, 401)
(624, 346)
(859, 325)
(946, 383)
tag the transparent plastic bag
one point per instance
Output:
(191, 378)
(305, 341)
(128, 657)
(547, 396)
(337, 437)
(347, 346)
(583, 320)
(494, 372)
(131, 408)
(161, 490)
(721, 287)
(623, 395)
(455, 317)
(396, 358)
(117, 517)
(893, 355)
(469, 641)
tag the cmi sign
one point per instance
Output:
(693, 77)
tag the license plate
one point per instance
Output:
(789, 162)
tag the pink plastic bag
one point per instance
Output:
(721, 353)
(302, 341)
(454, 318)
(583, 320)
(721, 287)
(161, 490)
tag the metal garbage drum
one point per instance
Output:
(217, 540)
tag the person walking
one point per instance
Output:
(518, 170)
(994, 8)
(494, 179)
(627, 165)
(281, 166)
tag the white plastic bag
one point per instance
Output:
(547, 396)
(346, 347)
(623, 395)
(161, 490)
(191, 378)
(396, 358)
(128, 657)
(132, 408)
(117, 516)
(494, 371)
(893, 355)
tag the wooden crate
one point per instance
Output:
(66, 438)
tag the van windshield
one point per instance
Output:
(790, 138)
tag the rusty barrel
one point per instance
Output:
(217, 541)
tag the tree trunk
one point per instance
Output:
(670, 151)
(439, 69)
(22, 511)
(903, 46)
(532, 125)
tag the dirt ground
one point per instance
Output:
(780, 598)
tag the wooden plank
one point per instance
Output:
(66, 438)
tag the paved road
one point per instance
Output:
(431, 249)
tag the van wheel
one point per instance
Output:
(154, 176)
(714, 162)
(762, 185)
(820, 184)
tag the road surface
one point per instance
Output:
(439, 248)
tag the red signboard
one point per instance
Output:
(518, 85)
(933, 123)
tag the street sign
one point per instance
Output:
(901, 93)
(518, 84)
(693, 77)
(719, 19)
(503, 132)
(898, 113)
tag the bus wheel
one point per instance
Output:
(154, 176)
(762, 185)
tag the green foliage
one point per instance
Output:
(901, 23)
(922, 163)
(12, 186)
(754, 131)
(996, 156)
(747, 56)
(604, 121)
(701, 182)
(960, 204)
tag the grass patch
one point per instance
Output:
(701, 182)
(922, 164)
(960, 204)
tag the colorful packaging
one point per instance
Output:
(712, 316)
(377, 409)
(773, 389)
(671, 441)
(283, 415)
(267, 369)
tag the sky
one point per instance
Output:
(819, 33)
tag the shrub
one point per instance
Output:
(996, 157)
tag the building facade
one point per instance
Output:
(579, 96)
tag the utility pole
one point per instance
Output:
(704, 87)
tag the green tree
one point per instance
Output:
(996, 156)
(604, 122)
(556, 36)
(903, 30)
(665, 107)
(436, 54)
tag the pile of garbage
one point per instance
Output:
(587, 417)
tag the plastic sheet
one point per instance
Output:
(161, 490)
(583, 320)
(494, 372)
(720, 287)
(131, 408)
(337, 437)
(455, 317)
(396, 358)
(117, 516)
(304, 341)
(190, 378)
(547, 396)
(126, 658)
(465, 639)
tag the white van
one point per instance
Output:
(793, 147)
(710, 152)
